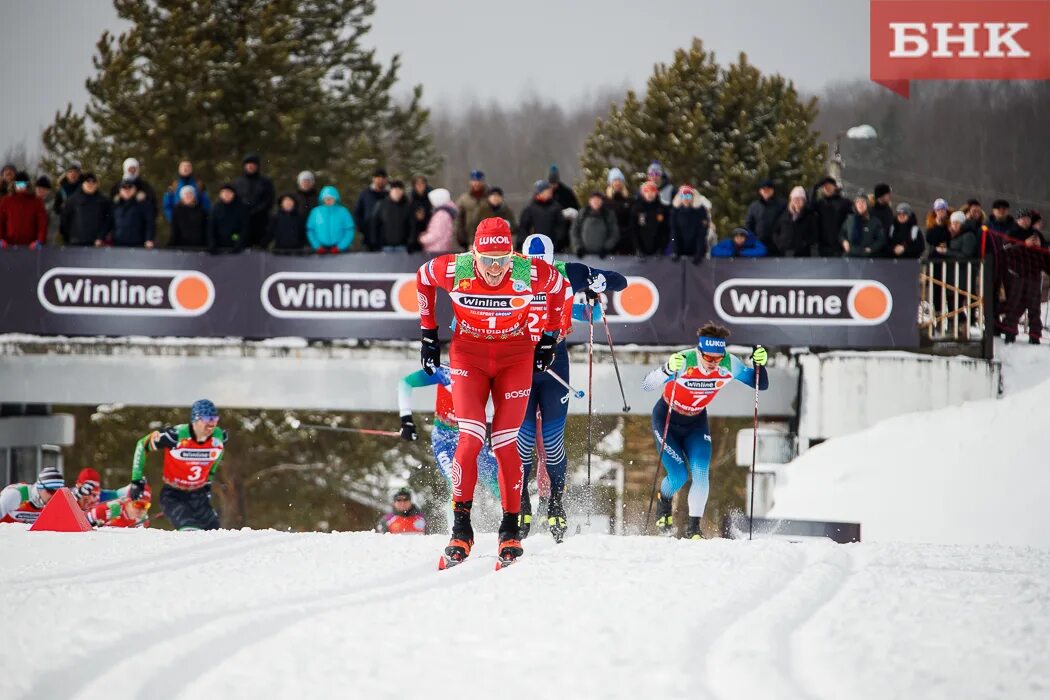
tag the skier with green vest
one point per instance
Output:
(22, 503)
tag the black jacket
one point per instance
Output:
(908, 235)
(228, 226)
(620, 204)
(797, 237)
(762, 217)
(391, 225)
(565, 197)
(257, 194)
(689, 227)
(86, 218)
(421, 211)
(865, 235)
(189, 227)
(145, 193)
(649, 227)
(831, 214)
(885, 214)
(287, 230)
(363, 210)
(133, 223)
(306, 200)
(545, 218)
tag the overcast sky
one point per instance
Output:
(463, 49)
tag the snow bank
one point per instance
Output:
(975, 473)
(152, 614)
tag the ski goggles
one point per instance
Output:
(207, 419)
(486, 260)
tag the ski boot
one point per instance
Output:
(692, 532)
(664, 519)
(458, 548)
(556, 518)
(509, 542)
(525, 517)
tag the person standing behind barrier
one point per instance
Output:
(797, 231)
(594, 232)
(256, 191)
(882, 208)
(741, 244)
(619, 199)
(473, 206)
(906, 239)
(862, 236)
(650, 226)
(134, 225)
(832, 210)
(305, 193)
(1026, 258)
(391, 225)
(367, 201)
(543, 215)
(439, 236)
(228, 223)
(330, 228)
(23, 218)
(288, 226)
(763, 214)
(189, 221)
(421, 206)
(689, 225)
(174, 194)
(87, 218)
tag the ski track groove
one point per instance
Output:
(261, 622)
(792, 604)
(138, 566)
(717, 622)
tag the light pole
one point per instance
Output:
(861, 132)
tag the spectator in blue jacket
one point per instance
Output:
(742, 244)
(330, 228)
(185, 179)
(133, 224)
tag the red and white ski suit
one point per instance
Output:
(491, 352)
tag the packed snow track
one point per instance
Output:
(262, 614)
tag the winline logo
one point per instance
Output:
(803, 302)
(340, 295)
(118, 291)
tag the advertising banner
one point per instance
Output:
(114, 292)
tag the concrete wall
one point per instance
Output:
(843, 392)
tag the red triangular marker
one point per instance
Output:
(62, 514)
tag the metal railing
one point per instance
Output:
(952, 300)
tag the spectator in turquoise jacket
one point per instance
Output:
(330, 228)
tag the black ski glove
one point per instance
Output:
(408, 429)
(544, 356)
(136, 489)
(430, 351)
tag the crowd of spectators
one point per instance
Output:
(654, 218)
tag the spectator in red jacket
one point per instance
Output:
(23, 218)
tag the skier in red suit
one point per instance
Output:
(491, 289)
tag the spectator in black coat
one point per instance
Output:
(391, 227)
(255, 192)
(228, 223)
(144, 191)
(763, 214)
(832, 209)
(68, 185)
(421, 206)
(906, 238)
(288, 226)
(189, 221)
(862, 235)
(619, 199)
(649, 227)
(305, 192)
(501, 209)
(366, 203)
(543, 215)
(134, 220)
(87, 216)
(796, 230)
(563, 195)
(689, 222)
(882, 209)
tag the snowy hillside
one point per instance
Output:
(970, 474)
(152, 614)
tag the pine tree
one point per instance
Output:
(721, 130)
(212, 80)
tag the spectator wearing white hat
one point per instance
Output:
(439, 235)
(305, 192)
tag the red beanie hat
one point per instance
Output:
(492, 237)
(88, 475)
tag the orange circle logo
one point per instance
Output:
(516, 302)
(191, 293)
(406, 297)
(870, 302)
(637, 302)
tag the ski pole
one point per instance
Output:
(616, 366)
(557, 377)
(754, 456)
(660, 456)
(364, 431)
(590, 408)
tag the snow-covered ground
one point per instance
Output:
(262, 614)
(970, 474)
